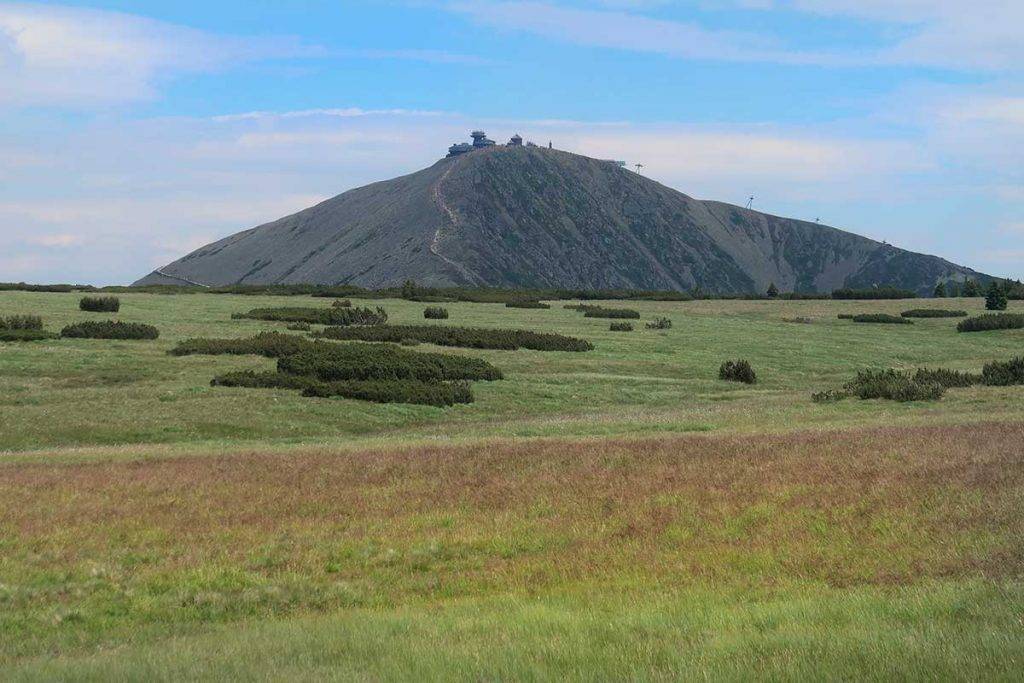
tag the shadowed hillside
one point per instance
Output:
(528, 216)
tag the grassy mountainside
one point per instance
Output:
(511, 217)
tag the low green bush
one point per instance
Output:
(873, 293)
(268, 344)
(100, 304)
(883, 318)
(21, 322)
(659, 324)
(737, 371)
(933, 313)
(1004, 374)
(341, 303)
(601, 312)
(992, 321)
(262, 380)
(25, 335)
(467, 337)
(299, 327)
(317, 316)
(435, 313)
(527, 304)
(845, 316)
(621, 327)
(950, 379)
(337, 362)
(440, 394)
(894, 386)
(110, 329)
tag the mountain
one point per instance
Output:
(515, 216)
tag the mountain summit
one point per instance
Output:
(526, 216)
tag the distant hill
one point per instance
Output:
(535, 217)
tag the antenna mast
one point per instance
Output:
(750, 202)
(638, 167)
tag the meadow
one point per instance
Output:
(607, 514)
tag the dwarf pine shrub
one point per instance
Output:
(527, 304)
(933, 313)
(949, 379)
(440, 394)
(883, 318)
(894, 386)
(659, 324)
(268, 344)
(466, 337)
(1003, 374)
(100, 304)
(318, 316)
(21, 322)
(621, 327)
(110, 329)
(992, 321)
(435, 313)
(601, 312)
(299, 327)
(262, 380)
(737, 371)
(873, 293)
(341, 303)
(336, 362)
(25, 335)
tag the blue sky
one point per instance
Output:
(133, 132)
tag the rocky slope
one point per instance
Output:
(527, 216)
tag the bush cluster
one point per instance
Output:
(110, 329)
(659, 324)
(440, 394)
(737, 371)
(334, 362)
(21, 322)
(602, 312)
(262, 380)
(100, 304)
(23, 287)
(25, 335)
(621, 327)
(1002, 374)
(873, 293)
(527, 304)
(435, 313)
(949, 379)
(467, 337)
(883, 318)
(268, 344)
(299, 327)
(889, 384)
(341, 303)
(318, 316)
(992, 321)
(933, 313)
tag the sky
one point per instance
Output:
(132, 132)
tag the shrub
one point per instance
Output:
(995, 297)
(893, 385)
(299, 327)
(408, 342)
(992, 321)
(947, 378)
(800, 320)
(883, 318)
(1002, 374)
(21, 322)
(527, 304)
(435, 313)
(440, 394)
(25, 335)
(100, 304)
(341, 303)
(621, 327)
(773, 291)
(659, 324)
(737, 371)
(468, 337)
(334, 362)
(933, 313)
(873, 293)
(262, 380)
(110, 329)
(268, 344)
(318, 316)
(601, 312)
(845, 316)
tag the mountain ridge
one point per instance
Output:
(509, 216)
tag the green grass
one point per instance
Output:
(666, 526)
(652, 381)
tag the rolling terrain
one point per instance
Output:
(534, 217)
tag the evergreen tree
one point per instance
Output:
(995, 297)
(971, 288)
(940, 291)
(953, 289)
(408, 289)
(773, 291)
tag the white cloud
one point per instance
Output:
(73, 56)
